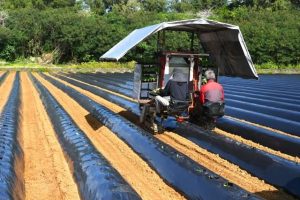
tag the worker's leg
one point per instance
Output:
(161, 102)
(197, 114)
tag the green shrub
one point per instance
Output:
(8, 53)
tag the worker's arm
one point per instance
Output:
(222, 91)
(202, 96)
(223, 96)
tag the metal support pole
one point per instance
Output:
(192, 42)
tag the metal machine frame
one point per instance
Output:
(224, 42)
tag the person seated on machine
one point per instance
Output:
(176, 89)
(212, 95)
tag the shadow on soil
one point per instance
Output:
(272, 195)
(129, 116)
(94, 123)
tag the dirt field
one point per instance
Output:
(203, 157)
(49, 173)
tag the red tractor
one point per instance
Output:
(153, 77)
(223, 46)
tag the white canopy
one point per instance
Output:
(223, 42)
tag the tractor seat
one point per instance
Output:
(178, 107)
(214, 109)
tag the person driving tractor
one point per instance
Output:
(176, 89)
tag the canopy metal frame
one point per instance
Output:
(223, 42)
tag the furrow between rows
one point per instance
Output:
(134, 170)
(5, 89)
(132, 106)
(11, 155)
(93, 173)
(151, 149)
(233, 169)
(281, 119)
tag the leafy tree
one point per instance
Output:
(205, 4)
(263, 4)
(296, 3)
(181, 6)
(109, 4)
(84, 30)
(59, 3)
(39, 4)
(154, 5)
(96, 6)
(271, 36)
(128, 9)
(14, 4)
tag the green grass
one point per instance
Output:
(80, 67)
(271, 68)
(20, 63)
(99, 66)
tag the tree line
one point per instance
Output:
(82, 30)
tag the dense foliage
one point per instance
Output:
(81, 31)
(271, 35)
